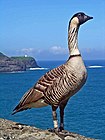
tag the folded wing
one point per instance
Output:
(39, 95)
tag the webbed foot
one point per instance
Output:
(61, 128)
(53, 130)
(65, 133)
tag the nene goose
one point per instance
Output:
(57, 86)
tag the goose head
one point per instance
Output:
(80, 18)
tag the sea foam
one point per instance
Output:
(96, 66)
(38, 69)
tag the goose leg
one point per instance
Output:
(62, 107)
(61, 118)
(55, 121)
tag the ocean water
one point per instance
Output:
(84, 113)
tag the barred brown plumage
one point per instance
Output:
(59, 84)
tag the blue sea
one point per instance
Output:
(84, 113)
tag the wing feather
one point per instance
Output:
(40, 89)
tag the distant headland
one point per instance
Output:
(14, 64)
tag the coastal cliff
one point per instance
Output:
(12, 64)
(14, 131)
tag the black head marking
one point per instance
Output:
(81, 17)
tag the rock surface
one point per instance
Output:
(14, 131)
(28, 61)
(12, 64)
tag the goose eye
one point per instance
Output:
(79, 15)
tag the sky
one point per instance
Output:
(40, 28)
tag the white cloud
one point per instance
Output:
(58, 50)
(54, 52)
(27, 50)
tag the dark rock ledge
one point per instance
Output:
(14, 131)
